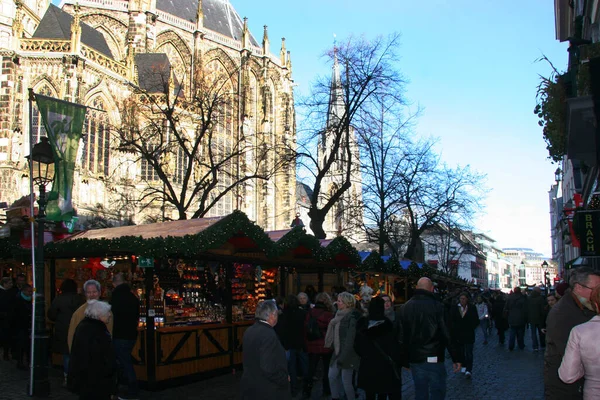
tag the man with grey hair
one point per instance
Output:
(573, 309)
(92, 291)
(265, 366)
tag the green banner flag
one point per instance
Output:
(64, 124)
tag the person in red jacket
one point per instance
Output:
(322, 313)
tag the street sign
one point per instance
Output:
(145, 262)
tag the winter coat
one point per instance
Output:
(21, 321)
(347, 358)
(126, 312)
(500, 319)
(291, 332)
(424, 329)
(581, 358)
(516, 309)
(323, 317)
(265, 367)
(462, 328)
(376, 372)
(7, 308)
(482, 311)
(92, 366)
(565, 315)
(61, 311)
(76, 319)
(535, 309)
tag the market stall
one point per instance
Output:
(198, 281)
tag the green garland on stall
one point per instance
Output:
(373, 262)
(11, 250)
(297, 236)
(188, 246)
(340, 245)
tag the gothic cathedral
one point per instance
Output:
(91, 52)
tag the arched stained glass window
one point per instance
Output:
(96, 139)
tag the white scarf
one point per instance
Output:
(332, 337)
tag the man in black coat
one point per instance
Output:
(7, 307)
(516, 312)
(573, 309)
(126, 312)
(463, 322)
(265, 367)
(426, 338)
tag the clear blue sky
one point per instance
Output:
(471, 66)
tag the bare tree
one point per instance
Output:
(435, 193)
(364, 71)
(383, 140)
(189, 146)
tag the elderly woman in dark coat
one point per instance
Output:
(379, 374)
(92, 366)
(61, 311)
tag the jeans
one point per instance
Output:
(467, 350)
(297, 357)
(535, 330)
(340, 382)
(383, 396)
(501, 337)
(313, 361)
(430, 380)
(123, 349)
(66, 359)
(485, 325)
(519, 332)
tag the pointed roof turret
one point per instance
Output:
(336, 94)
(266, 43)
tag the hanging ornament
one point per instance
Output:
(95, 264)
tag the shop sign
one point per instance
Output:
(145, 262)
(588, 227)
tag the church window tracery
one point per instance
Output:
(96, 139)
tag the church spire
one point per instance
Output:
(336, 94)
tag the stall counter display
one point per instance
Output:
(249, 285)
(188, 294)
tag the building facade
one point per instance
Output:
(92, 53)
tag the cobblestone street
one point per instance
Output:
(497, 374)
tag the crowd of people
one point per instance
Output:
(94, 337)
(363, 343)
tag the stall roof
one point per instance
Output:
(148, 231)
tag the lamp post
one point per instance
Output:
(42, 172)
(545, 268)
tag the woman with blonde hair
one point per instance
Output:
(582, 353)
(340, 336)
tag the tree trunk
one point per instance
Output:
(317, 218)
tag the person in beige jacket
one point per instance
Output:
(92, 290)
(582, 353)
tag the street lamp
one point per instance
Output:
(558, 175)
(545, 268)
(42, 172)
(297, 222)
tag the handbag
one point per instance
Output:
(313, 332)
(397, 371)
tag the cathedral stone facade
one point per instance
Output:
(89, 52)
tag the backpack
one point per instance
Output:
(313, 332)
